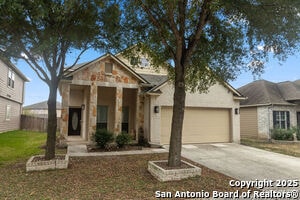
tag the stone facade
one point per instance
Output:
(93, 78)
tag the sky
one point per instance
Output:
(36, 90)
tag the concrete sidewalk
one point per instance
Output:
(81, 150)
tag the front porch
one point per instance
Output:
(86, 108)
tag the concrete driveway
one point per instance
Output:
(244, 163)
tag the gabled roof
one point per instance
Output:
(15, 69)
(41, 106)
(79, 67)
(236, 93)
(264, 92)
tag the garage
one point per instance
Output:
(201, 125)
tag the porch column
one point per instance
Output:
(118, 110)
(92, 110)
(140, 114)
(64, 121)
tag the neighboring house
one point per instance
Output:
(12, 83)
(269, 105)
(40, 109)
(110, 93)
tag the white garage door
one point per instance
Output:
(200, 125)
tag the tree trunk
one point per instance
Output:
(177, 119)
(52, 122)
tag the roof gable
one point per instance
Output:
(82, 68)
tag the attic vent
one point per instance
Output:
(144, 62)
(108, 68)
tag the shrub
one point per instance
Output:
(142, 141)
(282, 134)
(297, 131)
(103, 137)
(123, 139)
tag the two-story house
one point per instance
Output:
(12, 83)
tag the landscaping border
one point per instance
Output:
(41, 165)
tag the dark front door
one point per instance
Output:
(74, 121)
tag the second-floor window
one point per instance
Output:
(11, 78)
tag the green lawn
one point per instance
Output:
(17, 145)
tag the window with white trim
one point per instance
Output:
(11, 79)
(8, 112)
(281, 119)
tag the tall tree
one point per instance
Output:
(210, 40)
(44, 32)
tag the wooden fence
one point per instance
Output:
(32, 123)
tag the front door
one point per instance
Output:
(74, 121)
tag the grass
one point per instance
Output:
(289, 148)
(20, 145)
(107, 177)
(17, 145)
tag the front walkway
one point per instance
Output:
(80, 150)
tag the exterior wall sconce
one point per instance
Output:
(82, 106)
(236, 111)
(156, 109)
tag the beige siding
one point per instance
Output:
(218, 98)
(249, 125)
(201, 125)
(13, 123)
(16, 93)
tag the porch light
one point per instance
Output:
(156, 109)
(236, 111)
(82, 106)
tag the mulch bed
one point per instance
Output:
(42, 158)
(164, 165)
(105, 177)
(113, 148)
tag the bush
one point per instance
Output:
(142, 141)
(297, 131)
(123, 139)
(282, 134)
(103, 137)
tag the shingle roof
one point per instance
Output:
(266, 92)
(155, 79)
(289, 90)
(41, 106)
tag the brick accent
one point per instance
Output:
(174, 174)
